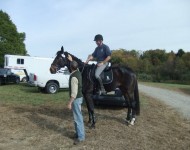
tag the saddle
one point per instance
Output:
(106, 75)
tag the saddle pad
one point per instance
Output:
(107, 76)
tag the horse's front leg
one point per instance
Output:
(90, 107)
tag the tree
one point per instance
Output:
(180, 68)
(180, 53)
(156, 57)
(186, 59)
(11, 41)
(126, 58)
(167, 69)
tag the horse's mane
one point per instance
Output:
(58, 53)
(74, 57)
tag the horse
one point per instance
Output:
(123, 78)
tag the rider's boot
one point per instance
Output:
(103, 91)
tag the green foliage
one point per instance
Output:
(156, 65)
(144, 77)
(126, 58)
(156, 57)
(11, 41)
(180, 53)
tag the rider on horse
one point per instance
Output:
(102, 54)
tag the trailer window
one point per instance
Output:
(20, 61)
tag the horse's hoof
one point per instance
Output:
(132, 121)
(128, 122)
(92, 126)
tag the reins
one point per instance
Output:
(83, 68)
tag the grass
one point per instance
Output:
(34, 120)
(176, 87)
(22, 94)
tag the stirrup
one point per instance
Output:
(100, 92)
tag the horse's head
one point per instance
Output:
(59, 62)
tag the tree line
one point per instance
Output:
(156, 65)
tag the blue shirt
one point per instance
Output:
(101, 52)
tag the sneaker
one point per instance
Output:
(77, 142)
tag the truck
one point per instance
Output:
(6, 76)
(50, 83)
(27, 64)
(37, 72)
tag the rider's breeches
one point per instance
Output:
(99, 70)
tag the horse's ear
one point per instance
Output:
(62, 50)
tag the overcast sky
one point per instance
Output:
(128, 24)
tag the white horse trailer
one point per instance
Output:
(28, 64)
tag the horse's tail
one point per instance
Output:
(136, 96)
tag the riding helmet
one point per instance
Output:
(98, 37)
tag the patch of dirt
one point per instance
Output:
(51, 127)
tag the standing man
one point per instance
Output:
(102, 54)
(76, 99)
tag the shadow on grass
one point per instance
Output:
(184, 90)
(106, 112)
(39, 116)
(35, 116)
(111, 115)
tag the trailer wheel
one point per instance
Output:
(52, 88)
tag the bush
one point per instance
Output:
(186, 76)
(144, 77)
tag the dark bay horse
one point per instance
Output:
(123, 78)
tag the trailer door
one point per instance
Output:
(6, 61)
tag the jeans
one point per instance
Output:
(78, 118)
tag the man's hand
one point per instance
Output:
(100, 64)
(69, 106)
(90, 57)
(70, 58)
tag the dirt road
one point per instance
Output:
(179, 101)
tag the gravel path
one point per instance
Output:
(181, 102)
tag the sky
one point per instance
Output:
(128, 24)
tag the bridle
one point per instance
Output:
(54, 66)
(57, 66)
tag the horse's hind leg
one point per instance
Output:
(128, 119)
(131, 114)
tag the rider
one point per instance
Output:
(102, 54)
